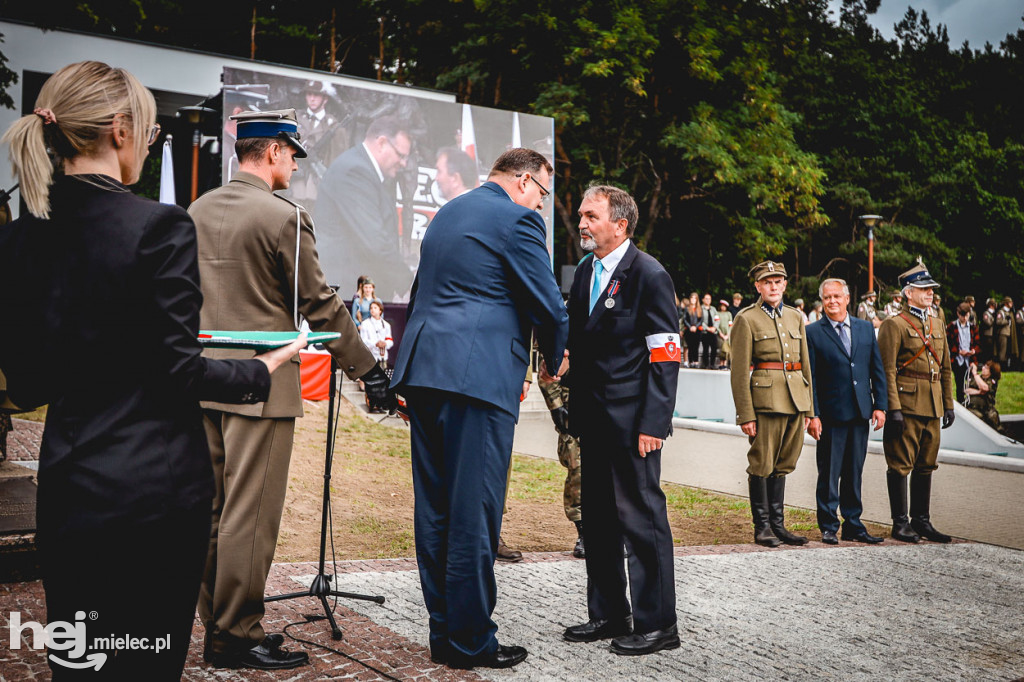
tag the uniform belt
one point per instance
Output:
(784, 366)
(933, 376)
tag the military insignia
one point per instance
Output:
(771, 266)
(609, 303)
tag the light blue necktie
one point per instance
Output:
(844, 335)
(595, 292)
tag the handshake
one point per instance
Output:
(545, 375)
(379, 396)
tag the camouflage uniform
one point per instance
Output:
(555, 396)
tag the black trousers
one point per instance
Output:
(623, 505)
(709, 350)
(127, 581)
(960, 379)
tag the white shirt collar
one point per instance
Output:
(318, 115)
(373, 160)
(611, 260)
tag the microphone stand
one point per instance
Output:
(321, 587)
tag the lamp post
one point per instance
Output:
(869, 222)
(195, 115)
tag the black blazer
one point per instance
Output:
(846, 387)
(101, 310)
(617, 392)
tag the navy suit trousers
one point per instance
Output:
(841, 451)
(623, 504)
(460, 455)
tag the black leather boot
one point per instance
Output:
(901, 529)
(578, 550)
(920, 504)
(763, 534)
(777, 510)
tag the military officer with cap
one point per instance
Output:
(894, 306)
(323, 138)
(866, 309)
(771, 387)
(259, 270)
(917, 370)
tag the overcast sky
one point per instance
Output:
(976, 21)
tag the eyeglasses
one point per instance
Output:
(544, 192)
(154, 133)
(401, 157)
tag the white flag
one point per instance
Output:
(517, 137)
(167, 174)
(468, 135)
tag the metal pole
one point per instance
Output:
(871, 259)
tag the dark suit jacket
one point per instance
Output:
(616, 391)
(101, 306)
(357, 226)
(846, 387)
(484, 280)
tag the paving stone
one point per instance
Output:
(900, 612)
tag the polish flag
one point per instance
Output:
(664, 347)
(468, 134)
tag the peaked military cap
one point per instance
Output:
(870, 294)
(278, 124)
(767, 269)
(917, 277)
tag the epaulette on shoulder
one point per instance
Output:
(290, 201)
(752, 306)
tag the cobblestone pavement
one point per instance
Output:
(926, 612)
(895, 612)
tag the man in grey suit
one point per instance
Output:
(356, 216)
(849, 389)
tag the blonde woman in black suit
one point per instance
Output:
(125, 480)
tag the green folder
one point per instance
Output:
(258, 340)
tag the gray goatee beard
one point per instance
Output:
(587, 244)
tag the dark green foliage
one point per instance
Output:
(744, 128)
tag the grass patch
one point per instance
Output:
(1010, 398)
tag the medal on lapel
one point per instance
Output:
(613, 288)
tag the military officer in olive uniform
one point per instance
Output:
(917, 370)
(893, 307)
(556, 397)
(252, 278)
(771, 387)
(866, 309)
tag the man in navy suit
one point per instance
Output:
(849, 389)
(484, 281)
(624, 350)
(356, 218)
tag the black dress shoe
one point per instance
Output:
(864, 537)
(268, 655)
(502, 657)
(594, 630)
(638, 645)
(439, 653)
(829, 537)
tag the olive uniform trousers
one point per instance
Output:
(250, 488)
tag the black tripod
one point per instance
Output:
(321, 587)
